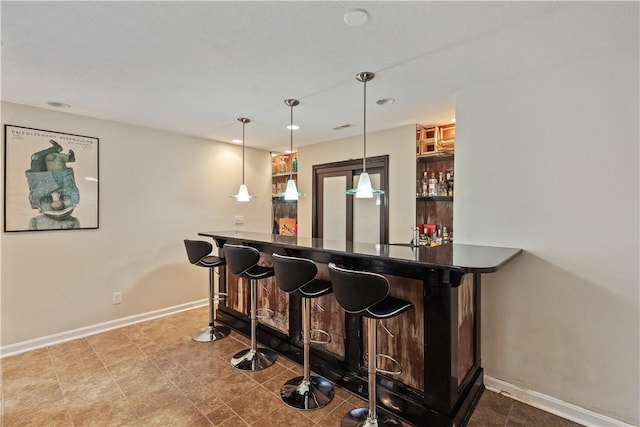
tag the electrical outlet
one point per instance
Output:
(116, 298)
(238, 219)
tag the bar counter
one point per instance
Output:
(437, 343)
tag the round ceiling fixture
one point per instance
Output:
(356, 17)
(58, 104)
(385, 101)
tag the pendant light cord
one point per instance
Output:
(243, 153)
(364, 159)
(291, 143)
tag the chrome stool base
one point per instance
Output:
(359, 417)
(249, 360)
(315, 393)
(211, 333)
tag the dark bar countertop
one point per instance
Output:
(455, 256)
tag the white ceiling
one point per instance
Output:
(195, 67)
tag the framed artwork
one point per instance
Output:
(50, 180)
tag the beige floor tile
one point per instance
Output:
(201, 422)
(275, 383)
(176, 414)
(117, 412)
(233, 422)
(268, 373)
(523, 415)
(283, 417)
(231, 386)
(29, 366)
(134, 371)
(322, 414)
(27, 393)
(154, 374)
(155, 396)
(486, 417)
(89, 392)
(333, 417)
(255, 404)
(37, 416)
(192, 387)
(219, 414)
(498, 403)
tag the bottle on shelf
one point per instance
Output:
(283, 165)
(449, 177)
(439, 237)
(442, 185)
(294, 163)
(432, 185)
(445, 235)
(425, 184)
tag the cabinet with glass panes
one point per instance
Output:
(284, 212)
(435, 146)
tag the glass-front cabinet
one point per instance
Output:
(284, 212)
(435, 147)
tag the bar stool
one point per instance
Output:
(199, 253)
(297, 276)
(367, 294)
(243, 262)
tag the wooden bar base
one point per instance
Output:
(438, 342)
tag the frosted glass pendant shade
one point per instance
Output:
(364, 190)
(291, 193)
(243, 194)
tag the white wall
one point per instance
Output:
(398, 143)
(156, 189)
(549, 163)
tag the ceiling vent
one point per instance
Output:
(342, 127)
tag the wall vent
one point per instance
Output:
(342, 127)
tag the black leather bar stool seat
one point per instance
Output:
(199, 253)
(242, 261)
(367, 294)
(297, 276)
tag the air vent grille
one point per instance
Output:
(342, 127)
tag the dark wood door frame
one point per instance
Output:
(351, 168)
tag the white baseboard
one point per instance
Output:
(21, 347)
(550, 404)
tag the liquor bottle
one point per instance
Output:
(445, 235)
(433, 185)
(449, 177)
(283, 165)
(425, 184)
(439, 237)
(294, 163)
(442, 185)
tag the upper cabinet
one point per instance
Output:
(435, 147)
(285, 213)
(432, 140)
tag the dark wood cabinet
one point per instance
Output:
(435, 146)
(284, 212)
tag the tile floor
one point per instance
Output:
(153, 374)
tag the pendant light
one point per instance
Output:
(291, 192)
(243, 193)
(364, 190)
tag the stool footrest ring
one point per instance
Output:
(326, 336)
(264, 313)
(394, 362)
(220, 296)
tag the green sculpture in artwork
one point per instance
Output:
(52, 189)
